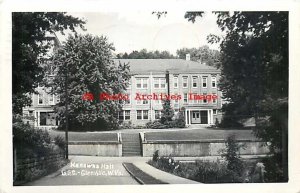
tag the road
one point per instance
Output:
(102, 171)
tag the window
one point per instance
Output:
(57, 99)
(145, 102)
(157, 101)
(141, 82)
(194, 98)
(159, 83)
(142, 114)
(51, 99)
(139, 114)
(145, 114)
(157, 114)
(185, 97)
(204, 82)
(128, 84)
(185, 82)
(40, 99)
(156, 82)
(214, 100)
(204, 98)
(127, 114)
(213, 82)
(175, 82)
(138, 83)
(121, 115)
(215, 111)
(195, 78)
(127, 102)
(145, 82)
(162, 83)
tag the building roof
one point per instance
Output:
(145, 66)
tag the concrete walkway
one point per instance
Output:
(105, 171)
(161, 175)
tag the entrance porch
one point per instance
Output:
(199, 116)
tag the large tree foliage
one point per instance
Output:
(144, 54)
(30, 44)
(202, 54)
(84, 65)
(254, 66)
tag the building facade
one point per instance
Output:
(174, 77)
(188, 80)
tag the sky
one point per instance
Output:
(130, 31)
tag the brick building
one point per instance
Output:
(179, 77)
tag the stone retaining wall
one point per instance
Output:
(27, 169)
(199, 148)
(96, 148)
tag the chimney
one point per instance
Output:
(187, 57)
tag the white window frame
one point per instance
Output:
(159, 114)
(194, 80)
(129, 84)
(205, 94)
(187, 98)
(143, 80)
(213, 80)
(125, 115)
(51, 102)
(187, 84)
(216, 111)
(42, 97)
(214, 101)
(160, 80)
(142, 114)
(127, 102)
(156, 83)
(175, 79)
(204, 78)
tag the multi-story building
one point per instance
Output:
(173, 77)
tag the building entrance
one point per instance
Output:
(199, 117)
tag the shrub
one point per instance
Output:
(155, 156)
(60, 142)
(231, 155)
(125, 125)
(155, 125)
(29, 140)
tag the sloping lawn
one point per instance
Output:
(198, 134)
(83, 136)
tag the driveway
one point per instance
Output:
(90, 170)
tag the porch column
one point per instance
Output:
(38, 118)
(186, 119)
(189, 117)
(208, 116)
(35, 118)
(212, 117)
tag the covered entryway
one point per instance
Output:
(198, 116)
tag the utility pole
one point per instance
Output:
(66, 114)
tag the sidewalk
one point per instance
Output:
(161, 175)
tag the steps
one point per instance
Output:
(131, 145)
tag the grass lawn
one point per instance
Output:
(198, 134)
(83, 136)
(159, 134)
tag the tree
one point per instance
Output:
(87, 61)
(144, 54)
(167, 113)
(254, 68)
(30, 44)
(202, 54)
